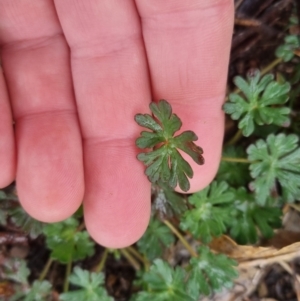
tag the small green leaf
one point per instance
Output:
(164, 283)
(91, 287)
(287, 50)
(66, 243)
(14, 269)
(262, 102)
(156, 238)
(211, 272)
(276, 159)
(164, 163)
(247, 217)
(25, 222)
(40, 290)
(3, 195)
(212, 209)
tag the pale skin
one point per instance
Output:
(75, 72)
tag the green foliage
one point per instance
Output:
(2, 195)
(235, 174)
(275, 160)
(211, 211)
(247, 217)
(205, 274)
(287, 50)
(5, 204)
(155, 240)
(3, 217)
(14, 269)
(91, 287)
(25, 222)
(164, 162)
(40, 290)
(66, 243)
(261, 104)
(164, 283)
(211, 272)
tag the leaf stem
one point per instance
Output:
(238, 160)
(139, 256)
(131, 259)
(102, 262)
(181, 238)
(81, 227)
(238, 135)
(270, 66)
(68, 272)
(46, 269)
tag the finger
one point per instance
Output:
(188, 44)
(7, 144)
(36, 64)
(111, 86)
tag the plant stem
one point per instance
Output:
(271, 66)
(46, 269)
(101, 264)
(181, 238)
(131, 259)
(238, 160)
(139, 256)
(238, 135)
(68, 272)
(81, 227)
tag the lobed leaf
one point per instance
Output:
(208, 218)
(164, 163)
(15, 269)
(287, 50)
(275, 160)
(25, 222)
(91, 287)
(156, 238)
(211, 272)
(262, 102)
(66, 243)
(247, 217)
(40, 290)
(164, 283)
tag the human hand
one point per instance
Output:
(76, 72)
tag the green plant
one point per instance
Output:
(90, 284)
(261, 94)
(17, 271)
(155, 240)
(287, 50)
(164, 162)
(66, 242)
(211, 211)
(248, 219)
(205, 273)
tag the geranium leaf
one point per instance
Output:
(209, 216)
(91, 287)
(164, 162)
(275, 160)
(262, 102)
